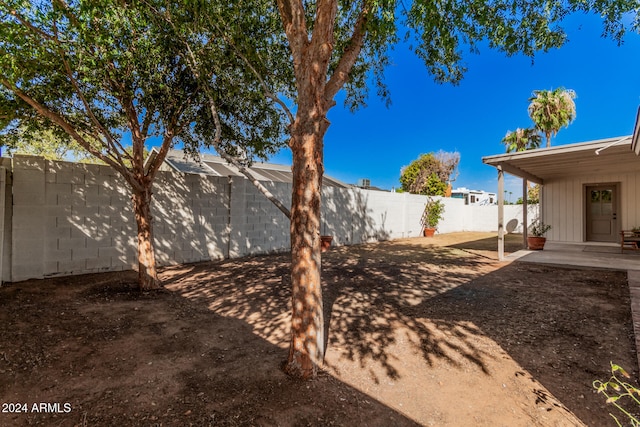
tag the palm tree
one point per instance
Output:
(551, 110)
(522, 139)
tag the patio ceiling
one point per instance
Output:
(587, 158)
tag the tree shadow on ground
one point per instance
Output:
(121, 357)
(358, 281)
(563, 326)
(439, 302)
(372, 290)
(394, 311)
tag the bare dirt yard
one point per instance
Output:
(422, 331)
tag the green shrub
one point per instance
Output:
(433, 213)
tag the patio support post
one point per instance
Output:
(541, 204)
(500, 213)
(525, 207)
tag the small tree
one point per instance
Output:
(551, 110)
(533, 193)
(430, 173)
(434, 186)
(104, 71)
(48, 144)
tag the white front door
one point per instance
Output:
(602, 213)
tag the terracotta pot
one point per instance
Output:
(429, 232)
(536, 243)
(325, 243)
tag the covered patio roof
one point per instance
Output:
(611, 155)
(601, 156)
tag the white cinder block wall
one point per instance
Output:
(69, 218)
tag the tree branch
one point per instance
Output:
(115, 150)
(69, 129)
(295, 27)
(106, 134)
(61, 4)
(265, 88)
(236, 162)
(322, 39)
(193, 65)
(146, 122)
(56, 39)
(155, 163)
(32, 27)
(349, 57)
(137, 138)
(172, 129)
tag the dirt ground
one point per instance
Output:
(422, 331)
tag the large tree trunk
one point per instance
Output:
(306, 351)
(311, 54)
(147, 274)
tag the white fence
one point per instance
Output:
(65, 218)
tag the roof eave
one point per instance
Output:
(518, 163)
(548, 151)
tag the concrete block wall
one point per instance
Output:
(383, 214)
(356, 215)
(455, 216)
(191, 218)
(29, 218)
(72, 218)
(69, 218)
(257, 225)
(343, 216)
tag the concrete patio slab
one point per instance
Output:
(605, 256)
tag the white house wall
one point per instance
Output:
(563, 204)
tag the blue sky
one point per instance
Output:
(472, 118)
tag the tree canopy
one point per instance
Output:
(109, 69)
(113, 76)
(430, 174)
(533, 195)
(46, 144)
(552, 110)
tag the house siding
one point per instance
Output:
(563, 204)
